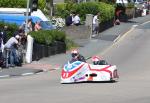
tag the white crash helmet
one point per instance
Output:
(96, 60)
(74, 53)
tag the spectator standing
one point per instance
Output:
(23, 37)
(1, 51)
(30, 25)
(3, 38)
(3, 34)
(37, 26)
(76, 20)
(22, 47)
(117, 21)
(11, 47)
(95, 24)
(1, 44)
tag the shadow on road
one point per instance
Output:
(113, 81)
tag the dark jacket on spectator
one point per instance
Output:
(3, 35)
(68, 20)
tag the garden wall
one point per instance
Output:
(40, 51)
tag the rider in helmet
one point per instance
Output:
(76, 56)
(95, 60)
(98, 61)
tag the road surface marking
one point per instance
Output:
(24, 74)
(145, 23)
(4, 76)
(119, 38)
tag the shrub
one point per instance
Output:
(48, 37)
(39, 37)
(42, 5)
(86, 8)
(21, 4)
(107, 11)
(58, 35)
(13, 3)
(130, 5)
(60, 10)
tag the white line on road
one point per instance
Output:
(116, 42)
(119, 38)
(24, 74)
(4, 76)
(145, 23)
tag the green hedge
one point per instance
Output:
(107, 11)
(48, 37)
(21, 4)
(13, 3)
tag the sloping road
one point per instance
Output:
(132, 57)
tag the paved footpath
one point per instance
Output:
(88, 47)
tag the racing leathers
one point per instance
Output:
(79, 57)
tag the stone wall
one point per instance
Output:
(77, 32)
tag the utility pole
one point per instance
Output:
(51, 7)
(27, 15)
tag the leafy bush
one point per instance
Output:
(70, 1)
(86, 8)
(107, 11)
(61, 10)
(13, 3)
(48, 36)
(130, 5)
(21, 4)
(58, 35)
(42, 5)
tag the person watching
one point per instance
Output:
(10, 47)
(69, 20)
(76, 20)
(37, 26)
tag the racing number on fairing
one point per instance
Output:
(65, 75)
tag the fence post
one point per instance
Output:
(29, 49)
(89, 22)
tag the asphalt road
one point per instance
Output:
(130, 54)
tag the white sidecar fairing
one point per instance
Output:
(101, 73)
(80, 71)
